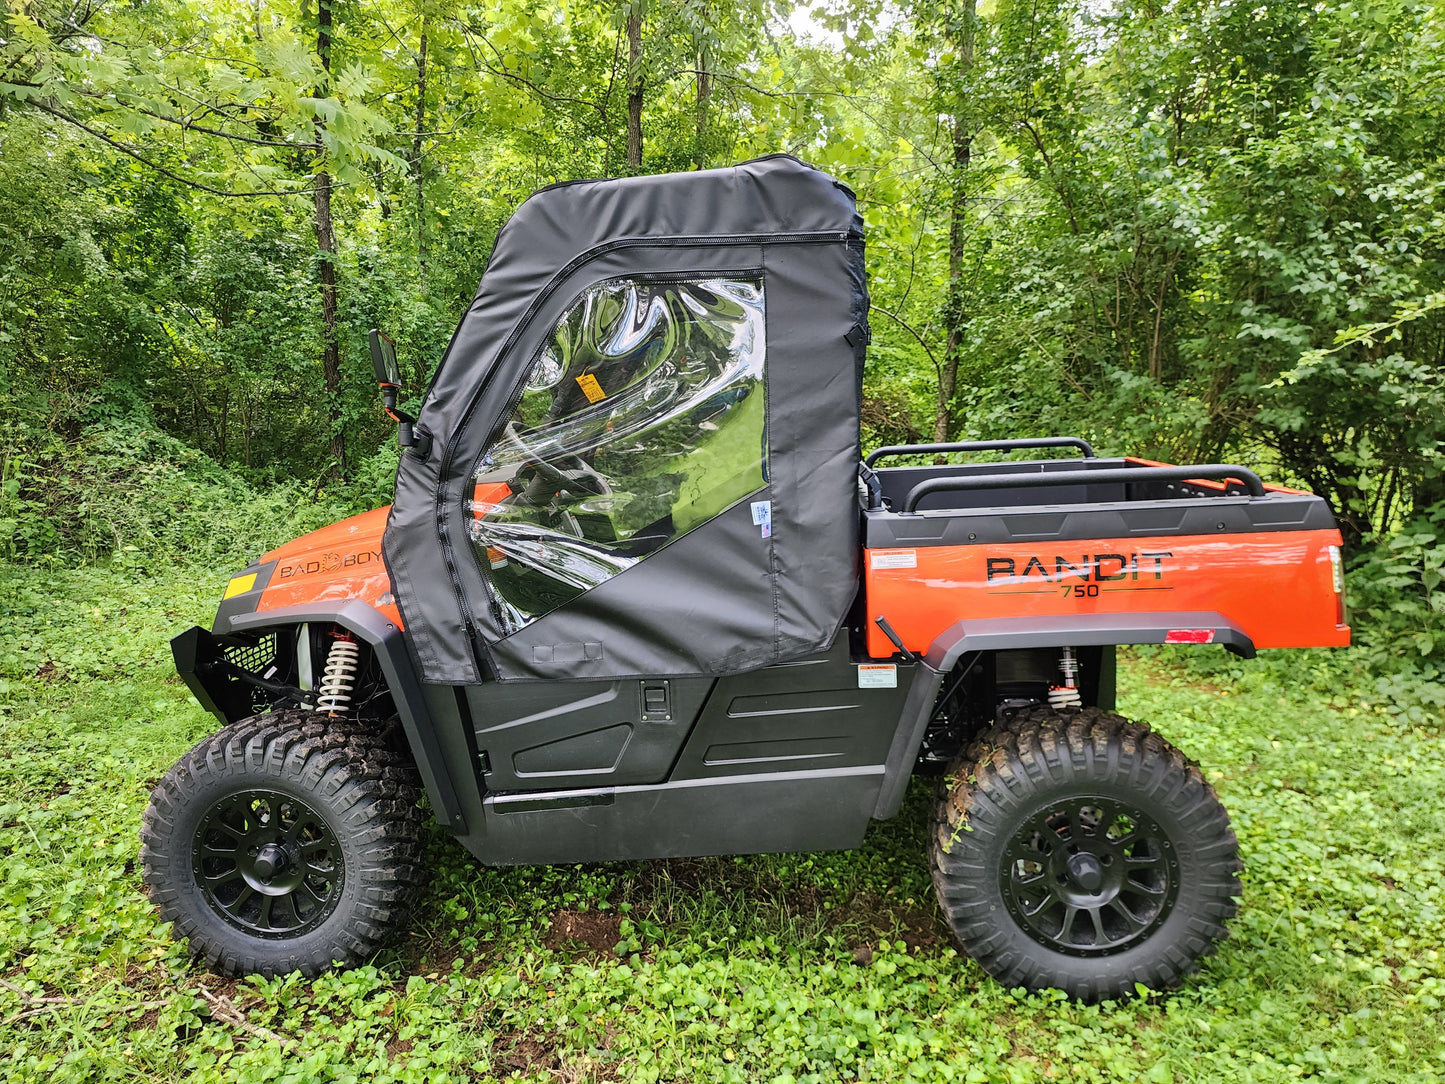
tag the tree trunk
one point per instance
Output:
(416, 155)
(634, 86)
(326, 245)
(704, 93)
(956, 305)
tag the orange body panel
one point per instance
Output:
(1277, 586)
(343, 562)
(334, 564)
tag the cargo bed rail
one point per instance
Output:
(1226, 472)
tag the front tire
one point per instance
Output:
(284, 842)
(1080, 851)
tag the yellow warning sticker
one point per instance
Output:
(590, 388)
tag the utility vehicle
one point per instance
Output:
(638, 597)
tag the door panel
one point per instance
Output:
(553, 734)
(798, 716)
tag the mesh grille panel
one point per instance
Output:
(256, 659)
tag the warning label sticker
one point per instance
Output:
(892, 559)
(877, 676)
(590, 388)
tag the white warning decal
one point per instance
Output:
(877, 676)
(892, 559)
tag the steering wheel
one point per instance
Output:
(549, 480)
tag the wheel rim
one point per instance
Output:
(267, 863)
(1090, 875)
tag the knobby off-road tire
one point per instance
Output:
(284, 842)
(1077, 850)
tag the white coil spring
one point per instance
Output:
(1064, 697)
(339, 677)
(1067, 695)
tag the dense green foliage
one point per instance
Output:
(792, 967)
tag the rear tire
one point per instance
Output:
(1080, 851)
(284, 842)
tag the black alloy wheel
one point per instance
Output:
(1089, 876)
(285, 842)
(268, 863)
(1079, 851)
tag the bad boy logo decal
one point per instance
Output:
(328, 562)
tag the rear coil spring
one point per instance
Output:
(1067, 695)
(339, 678)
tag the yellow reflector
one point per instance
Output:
(240, 585)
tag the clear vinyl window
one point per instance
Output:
(644, 416)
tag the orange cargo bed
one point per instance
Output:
(1068, 539)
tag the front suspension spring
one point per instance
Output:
(339, 678)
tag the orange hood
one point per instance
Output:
(339, 562)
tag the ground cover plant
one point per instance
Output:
(791, 967)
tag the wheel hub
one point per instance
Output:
(1089, 875)
(267, 863)
(269, 860)
(1086, 871)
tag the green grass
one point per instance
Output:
(793, 967)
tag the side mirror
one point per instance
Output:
(383, 360)
(388, 375)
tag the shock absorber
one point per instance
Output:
(1067, 694)
(339, 677)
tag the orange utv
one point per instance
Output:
(638, 597)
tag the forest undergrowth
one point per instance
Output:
(788, 967)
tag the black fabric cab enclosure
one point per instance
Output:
(643, 436)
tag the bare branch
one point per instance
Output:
(223, 1009)
(152, 165)
(503, 72)
(180, 122)
(908, 328)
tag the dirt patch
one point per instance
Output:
(398, 1048)
(869, 917)
(525, 1053)
(47, 671)
(595, 932)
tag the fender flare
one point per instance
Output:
(1010, 633)
(385, 638)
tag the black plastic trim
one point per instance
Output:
(1078, 630)
(982, 446)
(1111, 519)
(903, 753)
(247, 601)
(386, 639)
(814, 810)
(196, 651)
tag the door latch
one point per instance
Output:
(657, 702)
